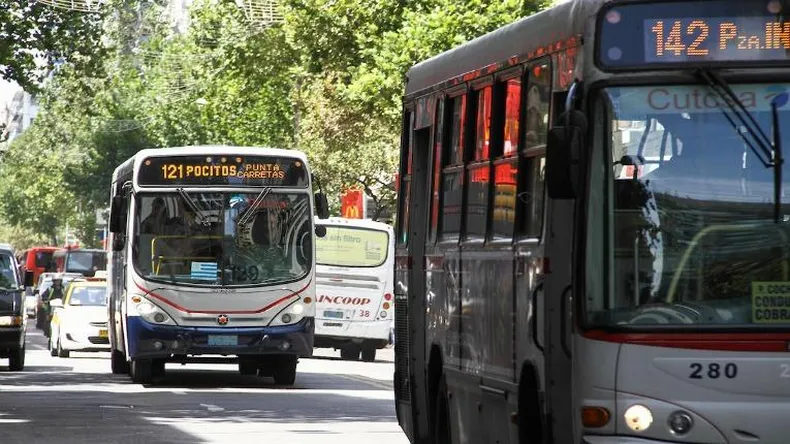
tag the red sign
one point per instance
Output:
(351, 204)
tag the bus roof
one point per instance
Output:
(134, 161)
(552, 25)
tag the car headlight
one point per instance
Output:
(10, 321)
(151, 312)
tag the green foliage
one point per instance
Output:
(29, 29)
(327, 81)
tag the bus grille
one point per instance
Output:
(402, 344)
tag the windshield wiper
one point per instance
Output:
(247, 215)
(770, 151)
(191, 203)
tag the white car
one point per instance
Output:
(79, 320)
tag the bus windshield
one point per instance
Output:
(682, 225)
(223, 238)
(352, 247)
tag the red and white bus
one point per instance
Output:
(354, 294)
(643, 295)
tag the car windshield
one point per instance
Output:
(88, 296)
(215, 238)
(8, 277)
(682, 226)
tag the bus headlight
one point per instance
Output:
(294, 313)
(638, 418)
(153, 314)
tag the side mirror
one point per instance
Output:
(118, 242)
(563, 152)
(56, 303)
(321, 205)
(29, 278)
(115, 214)
(320, 230)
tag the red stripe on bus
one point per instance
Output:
(184, 309)
(756, 342)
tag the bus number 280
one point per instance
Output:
(713, 370)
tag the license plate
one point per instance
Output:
(333, 314)
(223, 340)
(102, 333)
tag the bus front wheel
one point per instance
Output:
(118, 363)
(141, 371)
(285, 370)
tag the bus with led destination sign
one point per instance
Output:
(222, 170)
(719, 31)
(213, 258)
(592, 242)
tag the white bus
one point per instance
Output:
(212, 259)
(354, 287)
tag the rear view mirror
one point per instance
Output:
(115, 214)
(321, 205)
(56, 303)
(118, 242)
(563, 152)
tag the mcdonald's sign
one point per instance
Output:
(352, 204)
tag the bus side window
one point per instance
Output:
(439, 157)
(506, 168)
(404, 180)
(479, 171)
(453, 174)
(538, 98)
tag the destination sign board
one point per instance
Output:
(672, 34)
(227, 170)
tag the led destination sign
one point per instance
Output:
(222, 170)
(645, 35)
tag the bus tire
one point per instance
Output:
(349, 352)
(141, 371)
(285, 370)
(118, 363)
(441, 423)
(369, 353)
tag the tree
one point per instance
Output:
(31, 30)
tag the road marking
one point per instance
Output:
(213, 408)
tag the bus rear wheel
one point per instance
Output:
(350, 352)
(285, 370)
(369, 353)
(141, 371)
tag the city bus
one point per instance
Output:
(212, 260)
(635, 288)
(37, 260)
(85, 261)
(354, 294)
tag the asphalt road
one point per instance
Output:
(77, 400)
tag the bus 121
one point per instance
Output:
(354, 287)
(212, 259)
(646, 297)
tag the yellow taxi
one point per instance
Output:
(79, 320)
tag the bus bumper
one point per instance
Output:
(147, 340)
(332, 329)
